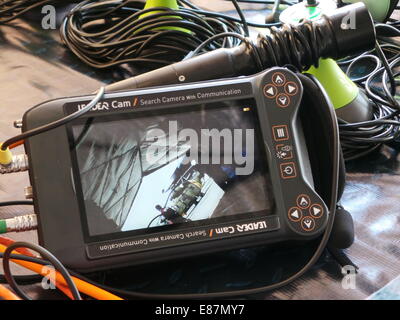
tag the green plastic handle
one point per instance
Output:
(339, 87)
(341, 90)
(172, 4)
(161, 3)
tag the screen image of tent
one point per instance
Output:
(148, 170)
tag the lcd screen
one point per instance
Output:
(174, 168)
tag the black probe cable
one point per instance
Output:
(44, 254)
(199, 10)
(12, 9)
(212, 39)
(128, 39)
(271, 17)
(360, 139)
(16, 203)
(106, 34)
(242, 18)
(55, 124)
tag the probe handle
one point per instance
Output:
(347, 31)
(220, 63)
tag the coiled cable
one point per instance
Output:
(300, 47)
(115, 32)
(380, 84)
(13, 9)
(46, 255)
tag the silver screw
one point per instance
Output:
(18, 124)
(28, 192)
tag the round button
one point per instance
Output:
(295, 214)
(278, 79)
(270, 91)
(308, 224)
(316, 211)
(303, 201)
(291, 88)
(283, 100)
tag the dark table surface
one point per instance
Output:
(35, 67)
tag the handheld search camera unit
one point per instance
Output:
(191, 168)
(129, 188)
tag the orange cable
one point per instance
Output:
(7, 294)
(16, 144)
(83, 286)
(7, 241)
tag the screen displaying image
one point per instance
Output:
(144, 170)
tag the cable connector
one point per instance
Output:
(19, 224)
(18, 163)
(5, 156)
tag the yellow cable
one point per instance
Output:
(5, 156)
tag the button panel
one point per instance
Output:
(282, 92)
(305, 212)
(305, 216)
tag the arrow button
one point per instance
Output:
(291, 88)
(316, 211)
(295, 214)
(270, 91)
(278, 79)
(303, 201)
(283, 100)
(308, 224)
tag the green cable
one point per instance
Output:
(19, 224)
(3, 226)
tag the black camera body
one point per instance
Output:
(127, 183)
